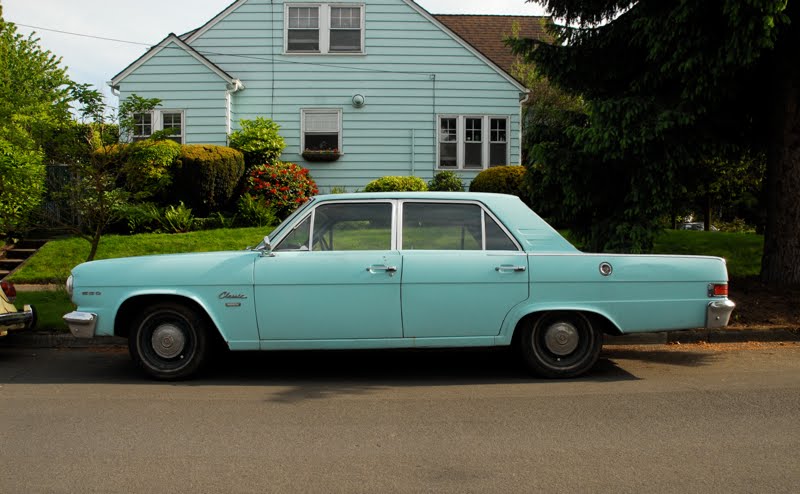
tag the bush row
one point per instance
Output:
(498, 179)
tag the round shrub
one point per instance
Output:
(205, 177)
(281, 186)
(396, 184)
(147, 167)
(259, 141)
(501, 180)
(446, 181)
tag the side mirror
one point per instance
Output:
(267, 250)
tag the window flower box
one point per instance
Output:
(321, 154)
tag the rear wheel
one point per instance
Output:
(169, 341)
(560, 344)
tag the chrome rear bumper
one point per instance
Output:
(718, 313)
(23, 319)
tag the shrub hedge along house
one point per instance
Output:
(361, 90)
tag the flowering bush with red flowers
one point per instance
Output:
(282, 186)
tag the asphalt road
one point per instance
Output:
(685, 418)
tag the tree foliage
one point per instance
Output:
(34, 99)
(669, 86)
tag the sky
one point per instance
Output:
(146, 22)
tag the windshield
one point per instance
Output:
(279, 229)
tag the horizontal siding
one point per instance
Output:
(412, 71)
(181, 82)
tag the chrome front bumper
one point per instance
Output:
(23, 319)
(718, 313)
(81, 324)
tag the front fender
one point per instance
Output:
(233, 318)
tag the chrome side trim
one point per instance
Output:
(718, 313)
(81, 324)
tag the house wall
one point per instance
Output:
(412, 71)
(183, 83)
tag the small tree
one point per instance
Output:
(259, 141)
(93, 191)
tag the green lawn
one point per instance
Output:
(50, 306)
(741, 250)
(54, 261)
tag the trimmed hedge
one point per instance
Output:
(396, 184)
(206, 177)
(147, 167)
(446, 181)
(501, 180)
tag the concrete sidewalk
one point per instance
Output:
(57, 339)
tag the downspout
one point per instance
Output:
(234, 86)
(522, 102)
(413, 151)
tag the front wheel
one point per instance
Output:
(169, 341)
(560, 344)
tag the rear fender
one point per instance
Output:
(520, 312)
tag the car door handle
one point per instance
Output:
(382, 267)
(507, 268)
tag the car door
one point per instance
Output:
(333, 276)
(462, 272)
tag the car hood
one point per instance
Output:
(205, 268)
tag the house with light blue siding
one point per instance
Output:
(383, 85)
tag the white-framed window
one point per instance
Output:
(302, 31)
(498, 141)
(142, 126)
(321, 129)
(472, 142)
(145, 124)
(321, 28)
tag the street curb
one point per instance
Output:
(52, 339)
(706, 336)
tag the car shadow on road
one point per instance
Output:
(304, 375)
(659, 355)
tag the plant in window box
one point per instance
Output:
(321, 154)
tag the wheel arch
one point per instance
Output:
(597, 318)
(137, 302)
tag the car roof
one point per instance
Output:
(456, 196)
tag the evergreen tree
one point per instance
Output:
(671, 86)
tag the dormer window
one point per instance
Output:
(324, 29)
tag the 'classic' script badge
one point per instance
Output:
(227, 295)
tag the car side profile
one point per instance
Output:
(396, 270)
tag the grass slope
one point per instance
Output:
(54, 261)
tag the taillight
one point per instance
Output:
(9, 290)
(718, 290)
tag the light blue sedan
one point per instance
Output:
(396, 270)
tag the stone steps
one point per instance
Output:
(14, 257)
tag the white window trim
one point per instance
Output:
(324, 29)
(157, 123)
(160, 120)
(304, 111)
(507, 142)
(461, 133)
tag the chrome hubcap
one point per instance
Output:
(168, 341)
(561, 338)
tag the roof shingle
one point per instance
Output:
(486, 33)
